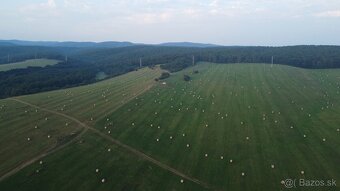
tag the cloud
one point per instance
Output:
(49, 4)
(166, 20)
(332, 14)
(34, 11)
(78, 6)
(149, 18)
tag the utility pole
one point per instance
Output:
(272, 61)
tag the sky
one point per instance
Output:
(224, 22)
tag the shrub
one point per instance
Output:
(164, 76)
(187, 78)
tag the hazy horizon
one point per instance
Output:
(229, 23)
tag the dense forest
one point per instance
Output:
(82, 64)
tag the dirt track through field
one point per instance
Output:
(112, 140)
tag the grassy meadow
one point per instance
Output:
(28, 63)
(232, 127)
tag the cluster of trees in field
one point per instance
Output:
(83, 64)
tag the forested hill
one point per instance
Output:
(83, 64)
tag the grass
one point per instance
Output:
(17, 125)
(91, 102)
(75, 169)
(241, 112)
(28, 63)
(243, 95)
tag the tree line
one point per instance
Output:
(83, 64)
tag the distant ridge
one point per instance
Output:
(106, 44)
(189, 44)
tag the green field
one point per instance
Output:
(28, 63)
(232, 127)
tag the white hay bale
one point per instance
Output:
(157, 140)
(109, 150)
(243, 174)
(103, 180)
(182, 181)
(324, 139)
(272, 166)
(302, 172)
(183, 134)
(222, 157)
(48, 136)
(28, 139)
(97, 170)
(206, 155)
(188, 145)
(41, 162)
